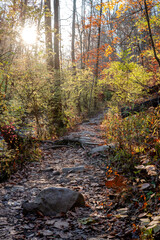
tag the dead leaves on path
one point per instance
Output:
(135, 200)
(117, 182)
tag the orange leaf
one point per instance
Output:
(134, 227)
(109, 215)
(118, 183)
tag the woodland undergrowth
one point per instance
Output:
(133, 168)
(28, 105)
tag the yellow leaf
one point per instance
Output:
(98, 7)
(121, 7)
(108, 51)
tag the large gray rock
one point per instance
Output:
(103, 148)
(51, 201)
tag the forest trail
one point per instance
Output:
(73, 167)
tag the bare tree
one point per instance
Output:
(84, 33)
(73, 33)
(90, 28)
(98, 42)
(55, 103)
(38, 27)
(23, 7)
(150, 33)
(56, 33)
(48, 35)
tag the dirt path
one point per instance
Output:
(71, 167)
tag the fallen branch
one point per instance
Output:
(54, 147)
(82, 141)
(153, 89)
(139, 107)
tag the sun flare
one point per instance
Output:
(29, 35)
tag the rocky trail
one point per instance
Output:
(80, 166)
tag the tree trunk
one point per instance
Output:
(73, 34)
(150, 33)
(90, 28)
(83, 35)
(23, 11)
(48, 35)
(55, 102)
(56, 34)
(98, 54)
(98, 43)
(38, 29)
(80, 31)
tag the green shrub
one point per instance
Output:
(127, 80)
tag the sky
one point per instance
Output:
(66, 10)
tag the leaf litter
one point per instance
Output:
(118, 206)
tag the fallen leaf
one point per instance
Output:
(118, 183)
(122, 210)
(121, 216)
(156, 218)
(154, 226)
(144, 186)
(140, 167)
(47, 232)
(142, 215)
(65, 235)
(86, 221)
(50, 222)
(144, 221)
(154, 223)
(61, 224)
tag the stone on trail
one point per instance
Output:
(49, 169)
(103, 148)
(73, 169)
(97, 238)
(51, 201)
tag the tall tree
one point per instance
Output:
(84, 33)
(90, 28)
(55, 103)
(98, 41)
(73, 33)
(38, 27)
(23, 11)
(150, 32)
(56, 33)
(48, 35)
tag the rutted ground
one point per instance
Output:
(71, 167)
